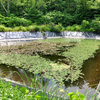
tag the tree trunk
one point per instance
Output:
(8, 5)
(3, 7)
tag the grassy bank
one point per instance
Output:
(9, 92)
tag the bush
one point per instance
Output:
(31, 28)
(16, 29)
(55, 28)
(58, 28)
(77, 28)
(37, 28)
(76, 96)
(91, 30)
(58, 17)
(51, 27)
(34, 15)
(85, 25)
(2, 28)
(20, 28)
(43, 20)
(14, 21)
(23, 29)
(95, 25)
(8, 29)
(70, 28)
(44, 28)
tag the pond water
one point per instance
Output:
(91, 78)
(90, 69)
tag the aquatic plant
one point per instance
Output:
(36, 90)
(27, 57)
(83, 51)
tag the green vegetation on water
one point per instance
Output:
(31, 56)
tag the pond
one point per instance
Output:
(91, 70)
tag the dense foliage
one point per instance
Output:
(76, 15)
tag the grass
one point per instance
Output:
(35, 91)
(39, 92)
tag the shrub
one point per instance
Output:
(14, 21)
(2, 28)
(31, 28)
(58, 17)
(8, 29)
(95, 25)
(58, 28)
(16, 29)
(91, 30)
(1, 18)
(70, 28)
(85, 25)
(42, 20)
(37, 28)
(77, 28)
(55, 28)
(51, 27)
(20, 28)
(34, 15)
(24, 29)
(44, 28)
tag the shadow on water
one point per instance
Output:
(18, 75)
(55, 58)
(12, 73)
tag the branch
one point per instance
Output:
(3, 7)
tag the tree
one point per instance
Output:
(3, 7)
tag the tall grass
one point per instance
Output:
(37, 91)
(34, 91)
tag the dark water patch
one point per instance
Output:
(55, 58)
(91, 70)
(18, 75)
(12, 73)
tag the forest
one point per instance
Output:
(52, 15)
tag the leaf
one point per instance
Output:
(69, 94)
(74, 97)
(77, 93)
